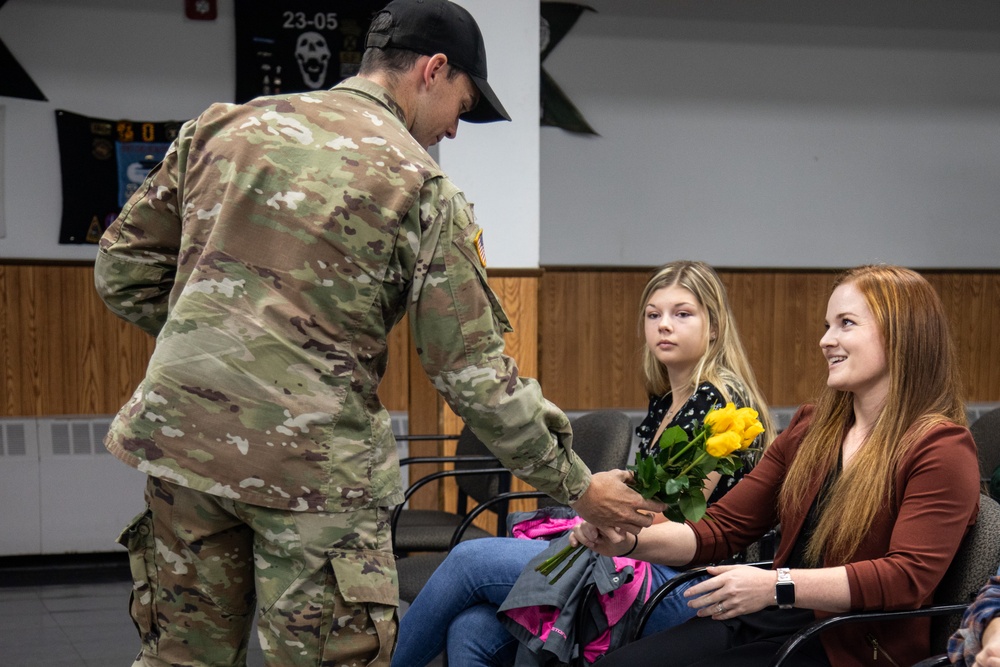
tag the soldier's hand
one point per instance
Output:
(611, 502)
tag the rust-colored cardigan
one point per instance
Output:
(903, 557)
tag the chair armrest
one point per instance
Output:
(666, 589)
(427, 479)
(418, 438)
(457, 458)
(482, 507)
(810, 631)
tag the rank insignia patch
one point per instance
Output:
(480, 247)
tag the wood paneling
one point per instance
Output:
(61, 351)
(394, 391)
(590, 339)
(576, 330)
(589, 334)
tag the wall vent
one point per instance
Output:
(14, 435)
(73, 436)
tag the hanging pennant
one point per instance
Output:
(557, 109)
(15, 82)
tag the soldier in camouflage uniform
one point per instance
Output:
(270, 253)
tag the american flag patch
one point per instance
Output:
(480, 247)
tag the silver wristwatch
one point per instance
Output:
(784, 590)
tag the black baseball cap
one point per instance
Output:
(440, 26)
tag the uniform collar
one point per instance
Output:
(369, 88)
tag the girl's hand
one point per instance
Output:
(732, 590)
(605, 541)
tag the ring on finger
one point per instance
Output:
(721, 609)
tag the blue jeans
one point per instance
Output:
(457, 607)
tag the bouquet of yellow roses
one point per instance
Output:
(675, 475)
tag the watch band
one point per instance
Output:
(784, 589)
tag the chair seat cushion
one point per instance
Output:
(414, 571)
(430, 530)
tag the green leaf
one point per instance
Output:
(671, 487)
(674, 514)
(693, 505)
(671, 437)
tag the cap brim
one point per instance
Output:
(489, 109)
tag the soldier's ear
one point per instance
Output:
(434, 68)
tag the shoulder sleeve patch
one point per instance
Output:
(480, 247)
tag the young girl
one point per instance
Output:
(874, 488)
(693, 361)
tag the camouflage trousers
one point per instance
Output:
(323, 585)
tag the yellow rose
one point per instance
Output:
(750, 434)
(720, 420)
(746, 418)
(723, 444)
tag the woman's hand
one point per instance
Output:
(732, 590)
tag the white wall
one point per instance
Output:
(772, 134)
(141, 59)
(497, 163)
(816, 142)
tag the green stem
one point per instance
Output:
(550, 563)
(579, 552)
(693, 464)
(688, 446)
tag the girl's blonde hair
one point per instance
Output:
(924, 390)
(725, 362)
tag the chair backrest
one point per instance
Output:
(478, 487)
(986, 433)
(976, 561)
(603, 439)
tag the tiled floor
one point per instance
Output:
(73, 625)
(62, 625)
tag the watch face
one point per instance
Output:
(784, 593)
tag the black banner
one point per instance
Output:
(295, 46)
(103, 162)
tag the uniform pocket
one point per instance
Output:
(137, 538)
(365, 575)
(366, 581)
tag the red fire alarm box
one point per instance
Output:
(201, 10)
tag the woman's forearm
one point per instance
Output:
(824, 588)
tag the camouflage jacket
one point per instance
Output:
(270, 253)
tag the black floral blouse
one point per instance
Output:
(705, 398)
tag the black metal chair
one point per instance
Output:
(479, 477)
(986, 432)
(758, 554)
(977, 559)
(602, 438)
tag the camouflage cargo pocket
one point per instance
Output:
(365, 575)
(366, 580)
(138, 539)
